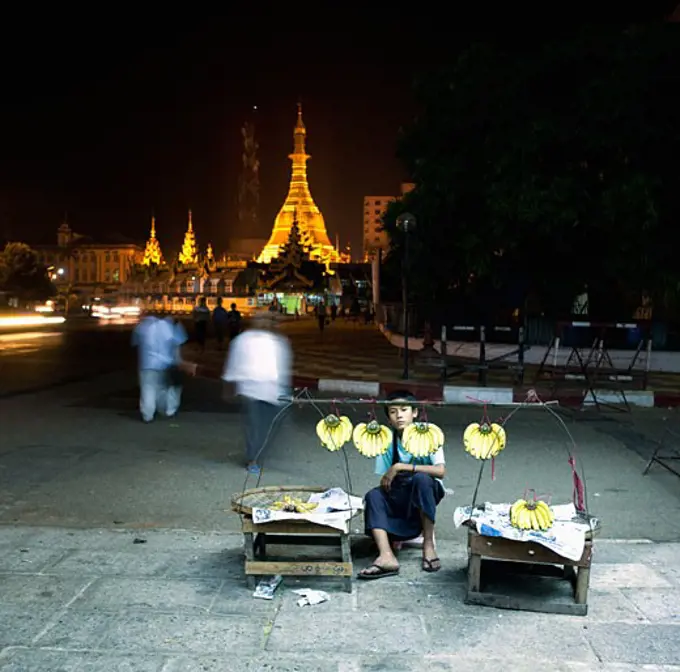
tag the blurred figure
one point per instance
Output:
(201, 319)
(220, 323)
(260, 365)
(160, 365)
(321, 316)
(234, 322)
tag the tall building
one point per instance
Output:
(300, 206)
(374, 208)
(87, 266)
(374, 237)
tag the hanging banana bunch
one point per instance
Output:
(293, 505)
(372, 439)
(422, 439)
(484, 441)
(531, 515)
(334, 432)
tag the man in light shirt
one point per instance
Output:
(260, 365)
(158, 342)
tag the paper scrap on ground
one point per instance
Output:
(311, 597)
(336, 508)
(567, 536)
(267, 587)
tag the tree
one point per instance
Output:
(544, 167)
(22, 275)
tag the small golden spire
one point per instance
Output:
(300, 124)
(191, 225)
(153, 226)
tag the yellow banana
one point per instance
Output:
(422, 439)
(334, 432)
(484, 441)
(534, 515)
(372, 439)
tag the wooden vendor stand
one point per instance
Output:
(257, 537)
(491, 553)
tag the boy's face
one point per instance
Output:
(401, 415)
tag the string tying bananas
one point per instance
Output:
(372, 439)
(294, 505)
(484, 441)
(334, 432)
(528, 515)
(422, 439)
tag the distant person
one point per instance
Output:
(260, 365)
(234, 322)
(160, 365)
(201, 316)
(321, 316)
(334, 311)
(220, 319)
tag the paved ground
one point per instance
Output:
(81, 478)
(353, 351)
(174, 601)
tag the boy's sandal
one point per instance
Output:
(431, 565)
(378, 573)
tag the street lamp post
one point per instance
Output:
(407, 222)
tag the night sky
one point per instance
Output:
(109, 118)
(109, 125)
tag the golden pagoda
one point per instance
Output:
(189, 252)
(299, 205)
(152, 251)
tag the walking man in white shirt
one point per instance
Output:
(260, 365)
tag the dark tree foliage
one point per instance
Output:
(22, 275)
(541, 168)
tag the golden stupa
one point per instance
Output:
(152, 251)
(189, 252)
(299, 206)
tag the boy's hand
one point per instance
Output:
(388, 476)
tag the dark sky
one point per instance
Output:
(110, 116)
(107, 122)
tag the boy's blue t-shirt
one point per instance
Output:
(384, 462)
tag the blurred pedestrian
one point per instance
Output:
(158, 342)
(260, 365)
(201, 316)
(220, 323)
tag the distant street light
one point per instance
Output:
(407, 222)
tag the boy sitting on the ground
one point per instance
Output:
(404, 504)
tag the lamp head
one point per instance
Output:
(406, 221)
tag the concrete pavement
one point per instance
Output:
(81, 479)
(174, 601)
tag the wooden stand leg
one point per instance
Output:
(582, 582)
(474, 573)
(260, 545)
(345, 545)
(249, 549)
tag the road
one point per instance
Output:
(81, 348)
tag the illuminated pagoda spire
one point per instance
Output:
(300, 207)
(152, 251)
(189, 252)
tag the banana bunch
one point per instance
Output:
(372, 439)
(527, 515)
(422, 439)
(334, 432)
(484, 441)
(293, 505)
